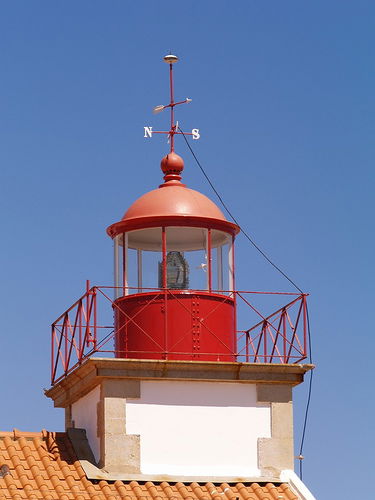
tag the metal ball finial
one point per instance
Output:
(172, 165)
(170, 59)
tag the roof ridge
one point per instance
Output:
(42, 434)
(16, 434)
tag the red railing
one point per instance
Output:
(279, 337)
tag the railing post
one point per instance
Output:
(95, 316)
(305, 326)
(232, 288)
(284, 333)
(52, 353)
(80, 330)
(65, 333)
(264, 333)
(247, 346)
(86, 338)
(235, 323)
(87, 301)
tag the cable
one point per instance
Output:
(285, 276)
(234, 219)
(308, 397)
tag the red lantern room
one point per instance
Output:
(174, 274)
(174, 269)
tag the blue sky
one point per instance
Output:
(283, 94)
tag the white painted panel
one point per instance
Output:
(198, 428)
(84, 414)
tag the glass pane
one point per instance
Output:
(225, 258)
(151, 268)
(198, 269)
(117, 281)
(132, 272)
(143, 257)
(187, 266)
(220, 242)
(186, 258)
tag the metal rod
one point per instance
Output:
(95, 315)
(87, 304)
(168, 131)
(171, 105)
(305, 325)
(59, 355)
(231, 265)
(116, 266)
(52, 353)
(283, 315)
(274, 340)
(125, 290)
(233, 285)
(209, 260)
(246, 346)
(72, 341)
(65, 340)
(164, 258)
(294, 330)
(164, 276)
(265, 341)
(80, 329)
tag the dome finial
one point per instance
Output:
(172, 165)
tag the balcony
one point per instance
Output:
(262, 336)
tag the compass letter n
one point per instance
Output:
(148, 131)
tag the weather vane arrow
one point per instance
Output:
(174, 128)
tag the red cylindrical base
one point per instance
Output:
(175, 325)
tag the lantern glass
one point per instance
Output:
(220, 261)
(195, 259)
(187, 258)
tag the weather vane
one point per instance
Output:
(174, 128)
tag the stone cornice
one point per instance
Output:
(93, 371)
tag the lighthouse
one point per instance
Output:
(176, 389)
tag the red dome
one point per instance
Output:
(173, 200)
(172, 204)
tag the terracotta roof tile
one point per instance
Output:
(44, 466)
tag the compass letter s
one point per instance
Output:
(195, 133)
(148, 131)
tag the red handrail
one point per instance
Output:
(275, 338)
